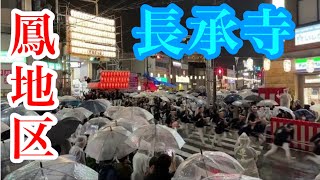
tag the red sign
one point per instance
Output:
(114, 80)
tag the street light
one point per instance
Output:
(250, 64)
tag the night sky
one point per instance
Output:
(130, 12)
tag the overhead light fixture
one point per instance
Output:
(151, 74)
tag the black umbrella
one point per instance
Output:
(232, 98)
(95, 107)
(63, 130)
(254, 98)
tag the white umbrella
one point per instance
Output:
(207, 164)
(276, 111)
(113, 109)
(67, 98)
(267, 102)
(165, 98)
(132, 111)
(59, 169)
(94, 124)
(85, 111)
(153, 134)
(131, 124)
(109, 143)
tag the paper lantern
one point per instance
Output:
(190, 77)
(266, 64)
(170, 76)
(287, 65)
(203, 77)
(99, 85)
(151, 74)
(250, 64)
(310, 66)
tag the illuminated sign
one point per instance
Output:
(91, 35)
(5, 59)
(75, 64)
(162, 79)
(55, 66)
(307, 35)
(182, 79)
(176, 64)
(301, 64)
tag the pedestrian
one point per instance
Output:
(282, 138)
(238, 123)
(161, 169)
(200, 123)
(77, 149)
(87, 79)
(247, 156)
(123, 168)
(140, 166)
(220, 129)
(186, 120)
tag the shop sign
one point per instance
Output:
(176, 64)
(162, 79)
(75, 64)
(5, 71)
(91, 35)
(301, 64)
(6, 59)
(184, 66)
(307, 35)
(54, 66)
(182, 79)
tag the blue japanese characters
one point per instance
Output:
(213, 28)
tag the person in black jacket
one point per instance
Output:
(282, 138)
(238, 123)
(186, 119)
(200, 123)
(220, 129)
(161, 169)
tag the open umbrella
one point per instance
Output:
(63, 130)
(66, 98)
(59, 169)
(222, 176)
(85, 111)
(229, 99)
(254, 98)
(104, 102)
(267, 102)
(154, 134)
(5, 114)
(164, 98)
(94, 125)
(4, 127)
(109, 143)
(132, 111)
(207, 164)
(242, 103)
(5, 131)
(304, 113)
(6, 165)
(276, 111)
(113, 109)
(95, 107)
(4, 105)
(68, 112)
(131, 124)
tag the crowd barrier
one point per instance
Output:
(304, 131)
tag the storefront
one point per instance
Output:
(182, 82)
(309, 83)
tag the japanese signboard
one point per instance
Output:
(90, 35)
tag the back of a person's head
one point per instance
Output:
(153, 161)
(81, 141)
(163, 162)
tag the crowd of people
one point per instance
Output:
(250, 125)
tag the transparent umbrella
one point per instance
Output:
(63, 130)
(154, 134)
(5, 114)
(67, 98)
(128, 112)
(59, 169)
(131, 124)
(94, 125)
(113, 109)
(222, 176)
(109, 143)
(84, 112)
(4, 127)
(242, 103)
(276, 111)
(164, 98)
(6, 165)
(267, 102)
(95, 107)
(207, 164)
(71, 113)
(104, 102)
(4, 105)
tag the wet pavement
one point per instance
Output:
(276, 167)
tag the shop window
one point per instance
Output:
(312, 79)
